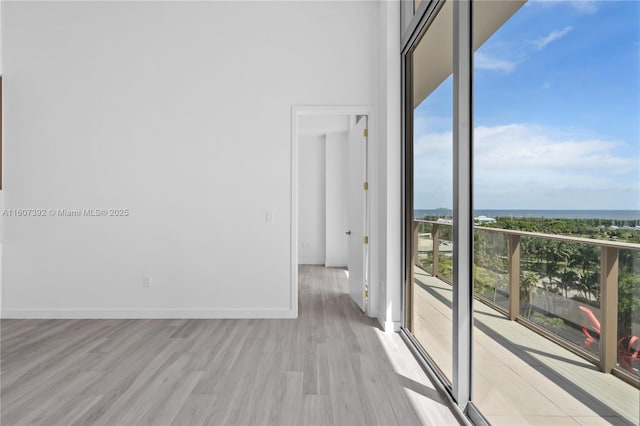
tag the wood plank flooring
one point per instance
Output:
(332, 365)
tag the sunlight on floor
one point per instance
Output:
(425, 399)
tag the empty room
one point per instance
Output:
(343, 212)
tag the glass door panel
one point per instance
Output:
(556, 155)
(431, 289)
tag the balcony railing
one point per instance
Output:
(575, 291)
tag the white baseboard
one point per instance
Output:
(147, 314)
(389, 326)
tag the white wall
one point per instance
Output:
(180, 113)
(311, 200)
(336, 199)
(1, 193)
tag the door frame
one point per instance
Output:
(459, 392)
(298, 111)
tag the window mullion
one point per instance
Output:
(462, 203)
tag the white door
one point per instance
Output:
(357, 204)
(336, 199)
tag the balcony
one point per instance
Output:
(554, 317)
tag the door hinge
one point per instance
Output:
(366, 239)
(366, 133)
(366, 294)
(366, 186)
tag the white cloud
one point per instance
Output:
(484, 61)
(542, 42)
(529, 146)
(529, 166)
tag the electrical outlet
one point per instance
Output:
(146, 282)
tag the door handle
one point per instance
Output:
(348, 232)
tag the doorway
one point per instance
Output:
(330, 203)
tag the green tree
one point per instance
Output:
(628, 303)
(528, 288)
(568, 279)
(586, 259)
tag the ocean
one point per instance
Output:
(632, 215)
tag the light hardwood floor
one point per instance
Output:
(332, 365)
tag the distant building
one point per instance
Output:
(484, 219)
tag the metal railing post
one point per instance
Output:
(435, 234)
(416, 234)
(608, 308)
(514, 276)
(412, 275)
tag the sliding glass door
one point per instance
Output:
(522, 206)
(556, 166)
(431, 220)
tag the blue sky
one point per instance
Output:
(557, 113)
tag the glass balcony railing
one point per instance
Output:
(433, 243)
(582, 294)
(491, 267)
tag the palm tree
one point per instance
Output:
(628, 303)
(587, 258)
(551, 270)
(528, 281)
(568, 280)
(626, 259)
(553, 252)
(481, 248)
